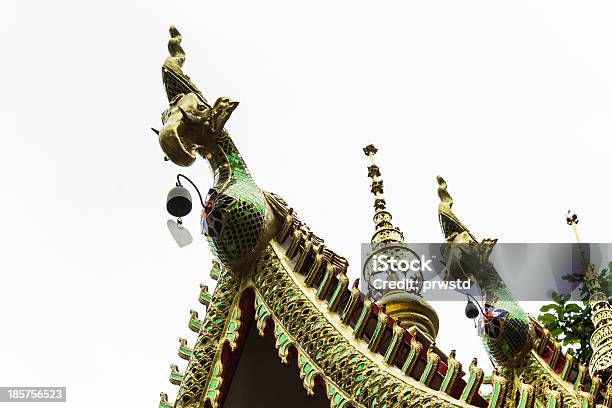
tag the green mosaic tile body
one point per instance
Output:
(516, 332)
(240, 202)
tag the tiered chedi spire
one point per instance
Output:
(384, 231)
(601, 313)
(404, 305)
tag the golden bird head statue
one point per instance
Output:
(190, 124)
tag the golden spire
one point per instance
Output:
(384, 231)
(412, 311)
(601, 312)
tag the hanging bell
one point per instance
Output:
(179, 202)
(471, 310)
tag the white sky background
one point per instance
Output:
(512, 104)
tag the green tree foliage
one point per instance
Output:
(570, 321)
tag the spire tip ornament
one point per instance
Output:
(370, 150)
(571, 218)
(384, 231)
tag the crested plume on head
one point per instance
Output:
(446, 200)
(450, 224)
(175, 81)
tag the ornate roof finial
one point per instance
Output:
(175, 81)
(384, 231)
(443, 193)
(601, 340)
(449, 222)
(404, 305)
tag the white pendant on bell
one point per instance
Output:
(181, 235)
